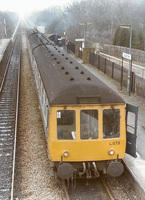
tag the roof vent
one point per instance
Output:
(71, 79)
(52, 54)
(58, 62)
(88, 78)
(66, 72)
(76, 67)
(62, 68)
(71, 62)
(66, 58)
(62, 54)
(82, 72)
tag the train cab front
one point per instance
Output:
(87, 140)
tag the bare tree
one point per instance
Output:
(97, 20)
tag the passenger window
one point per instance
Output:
(89, 124)
(131, 122)
(66, 125)
(111, 123)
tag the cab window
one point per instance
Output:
(111, 123)
(89, 124)
(66, 125)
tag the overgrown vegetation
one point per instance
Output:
(122, 38)
(97, 20)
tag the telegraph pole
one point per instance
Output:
(5, 29)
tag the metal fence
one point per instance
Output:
(113, 50)
(72, 47)
(113, 70)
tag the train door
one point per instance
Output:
(131, 129)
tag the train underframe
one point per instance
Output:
(88, 170)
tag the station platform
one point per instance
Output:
(136, 166)
(3, 45)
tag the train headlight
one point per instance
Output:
(65, 154)
(111, 152)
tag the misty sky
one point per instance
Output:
(23, 7)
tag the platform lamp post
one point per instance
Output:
(83, 24)
(5, 30)
(85, 28)
(1, 27)
(129, 67)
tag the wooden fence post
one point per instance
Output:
(112, 69)
(122, 74)
(105, 67)
(98, 61)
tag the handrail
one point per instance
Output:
(135, 66)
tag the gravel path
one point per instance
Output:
(32, 180)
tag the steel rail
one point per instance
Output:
(9, 116)
(15, 32)
(65, 190)
(13, 38)
(7, 66)
(110, 193)
(107, 190)
(126, 190)
(16, 123)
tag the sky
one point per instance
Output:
(24, 7)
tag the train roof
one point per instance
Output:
(65, 80)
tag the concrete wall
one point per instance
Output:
(78, 45)
(137, 55)
(86, 54)
(140, 86)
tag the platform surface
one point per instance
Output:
(3, 45)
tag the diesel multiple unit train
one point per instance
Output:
(84, 120)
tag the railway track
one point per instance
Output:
(9, 93)
(119, 188)
(104, 187)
